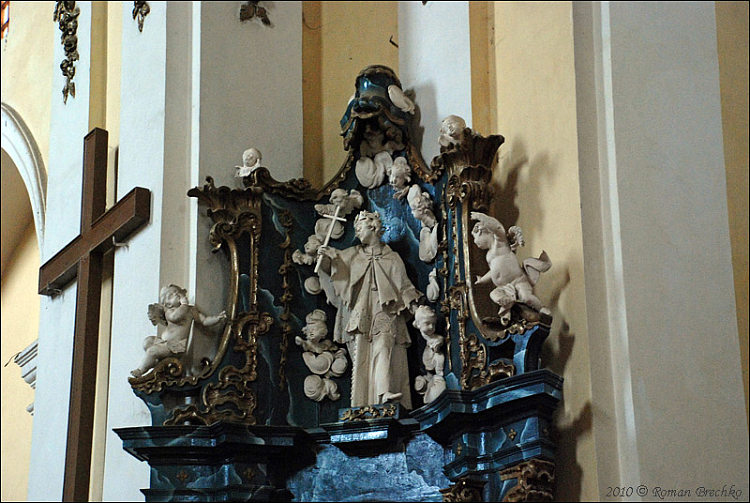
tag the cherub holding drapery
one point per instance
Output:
(175, 313)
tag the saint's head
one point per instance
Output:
(368, 227)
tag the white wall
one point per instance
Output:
(660, 296)
(69, 124)
(435, 61)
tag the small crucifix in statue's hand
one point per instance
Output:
(335, 217)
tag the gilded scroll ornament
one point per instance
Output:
(66, 15)
(465, 489)
(140, 11)
(536, 479)
(368, 412)
(285, 271)
(232, 397)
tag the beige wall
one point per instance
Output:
(27, 71)
(338, 40)
(27, 67)
(538, 188)
(20, 324)
(732, 34)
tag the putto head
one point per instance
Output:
(451, 130)
(251, 157)
(338, 196)
(316, 328)
(424, 319)
(399, 174)
(312, 244)
(171, 294)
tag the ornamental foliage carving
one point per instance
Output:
(66, 14)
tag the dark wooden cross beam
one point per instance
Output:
(82, 258)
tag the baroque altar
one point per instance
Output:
(381, 338)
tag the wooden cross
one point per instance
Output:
(82, 258)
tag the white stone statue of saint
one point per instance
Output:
(368, 285)
(513, 283)
(177, 315)
(250, 160)
(433, 383)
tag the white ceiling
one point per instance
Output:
(16, 209)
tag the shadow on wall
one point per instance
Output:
(510, 164)
(424, 95)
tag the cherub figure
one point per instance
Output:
(311, 251)
(348, 202)
(513, 283)
(399, 175)
(324, 358)
(375, 154)
(421, 206)
(433, 383)
(175, 312)
(250, 161)
(451, 131)
(433, 289)
(315, 330)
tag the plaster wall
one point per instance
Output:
(248, 93)
(160, 248)
(27, 74)
(732, 38)
(665, 373)
(435, 62)
(20, 326)
(537, 187)
(353, 36)
(202, 99)
(671, 192)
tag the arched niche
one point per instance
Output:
(19, 144)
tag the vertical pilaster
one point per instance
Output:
(250, 95)
(198, 88)
(68, 125)
(136, 281)
(659, 288)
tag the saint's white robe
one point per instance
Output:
(363, 284)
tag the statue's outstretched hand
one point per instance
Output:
(327, 251)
